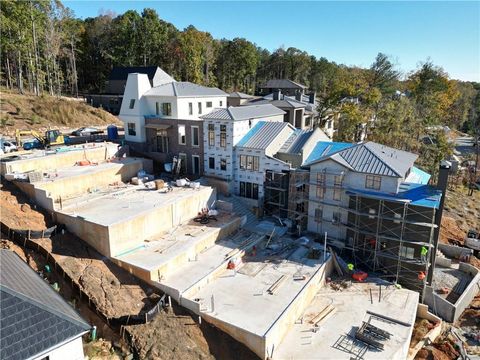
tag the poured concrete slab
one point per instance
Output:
(242, 306)
(333, 338)
(59, 188)
(120, 221)
(40, 160)
(161, 256)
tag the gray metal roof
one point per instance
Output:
(33, 317)
(238, 94)
(282, 84)
(296, 141)
(373, 158)
(284, 103)
(184, 89)
(263, 134)
(244, 112)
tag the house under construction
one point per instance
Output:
(372, 203)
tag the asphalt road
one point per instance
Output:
(464, 144)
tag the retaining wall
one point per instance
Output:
(445, 309)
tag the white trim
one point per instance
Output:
(192, 137)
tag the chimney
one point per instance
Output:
(311, 98)
(298, 96)
(442, 184)
(277, 94)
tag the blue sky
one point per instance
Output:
(351, 33)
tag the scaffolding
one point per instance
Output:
(389, 236)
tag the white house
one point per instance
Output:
(169, 100)
(223, 129)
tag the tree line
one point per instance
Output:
(47, 50)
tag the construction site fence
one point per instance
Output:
(25, 239)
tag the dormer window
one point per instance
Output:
(373, 182)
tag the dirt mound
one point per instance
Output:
(40, 112)
(17, 212)
(421, 328)
(450, 230)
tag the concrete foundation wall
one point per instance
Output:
(445, 309)
(50, 194)
(94, 234)
(128, 234)
(276, 333)
(455, 252)
(92, 152)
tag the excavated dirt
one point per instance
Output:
(420, 329)
(17, 212)
(450, 231)
(171, 335)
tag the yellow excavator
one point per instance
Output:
(51, 137)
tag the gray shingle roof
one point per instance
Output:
(244, 112)
(282, 84)
(373, 158)
(33, 317)
(185, 89)
(296, 141)
(263, 134)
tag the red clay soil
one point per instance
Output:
(17, 212)
(450, 230)
(420, 329)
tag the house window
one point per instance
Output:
(183, 163)
(318, 214)
(181, 135)
(190, 108)
(407, 252)
(321, 179)
(195, 136)
(157, 108)
(162, 141)
(167, 109)
(338, 182)
(221, 103)
(211, 163)
(223, 136)
(337, 218)
(373, 182)
(249, 162)
(199, 107)
(211, 135)
(320, 192)
(132, 103)
(131, 129)
(337, 193)
(209, 104)
(249, 190)
(223, 164)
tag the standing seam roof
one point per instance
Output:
(262, 134)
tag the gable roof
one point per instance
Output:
(325, 148)
(285, 102)
(244, 112)
(262, 134)
(34, 318)
(296, 141)
(185, 89)
(373, 158)
(282, 84)
(238, 94)
(121, 73)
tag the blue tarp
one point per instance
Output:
(415, 194)
(325, 148)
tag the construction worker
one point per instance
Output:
(423, 253)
